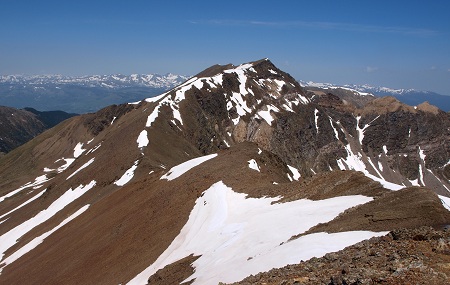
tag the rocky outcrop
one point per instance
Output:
(404, 256)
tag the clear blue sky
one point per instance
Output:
(399, 44)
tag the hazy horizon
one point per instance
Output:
(403, 44)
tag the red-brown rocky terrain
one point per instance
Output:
(236, 171)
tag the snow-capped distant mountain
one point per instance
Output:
(411, 97)
(351, 88)
(81, 94)
(109, 81)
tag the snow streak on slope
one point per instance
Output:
(24, 203)
(166, 99)
(36, 184)
(184, 167)
(81, 168)
(237, 236)
(38, 240)
(354, 162)
(295, 173)
(316, 119)
(362, 130)
(336, 133)
(8, 239)
(445, 201)
(128, 175)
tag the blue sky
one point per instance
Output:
(399, 44)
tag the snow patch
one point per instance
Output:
(316, 119)
(384, 183)
(289, 176)
(152, 117)
(380, 165)
(67, 161)
(142, 139)
(266, 114)
(78, 150)
(295, 174)
(362, 130)
(156, 98)
(422, 155)
(177, 115)
(280, 84)
(184, 167)
(252, 164)
(336, 134)
(235, 237)
(414, 182)
(421, 175)
(128, 175)
(374, 167)
(354, 161)
(445, 201)
(81, 168)
(94, 148)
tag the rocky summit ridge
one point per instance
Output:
(218, 179)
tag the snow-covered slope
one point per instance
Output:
(233, 168)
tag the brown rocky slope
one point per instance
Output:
(404, 256)
(109, 166)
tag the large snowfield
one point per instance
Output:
(236, 236)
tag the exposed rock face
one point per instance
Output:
(106, 209)
(393, 141)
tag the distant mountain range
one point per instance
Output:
(411, 97)
(113, 81)
(82, 94)
(85, 94)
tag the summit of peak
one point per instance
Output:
(217, 68)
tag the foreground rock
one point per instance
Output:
(405, 256)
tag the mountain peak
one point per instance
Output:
(234, 168)
(217, 68)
